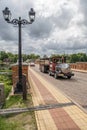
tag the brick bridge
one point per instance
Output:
(79, 65)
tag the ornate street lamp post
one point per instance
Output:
(19, 22)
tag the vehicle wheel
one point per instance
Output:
(43, 70)
(49, 73)
(69, 77)
(40, 69)
(55, 76)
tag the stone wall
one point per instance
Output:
(79, 65)
(2, 94)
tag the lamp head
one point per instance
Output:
(7, 14)
(32, 15)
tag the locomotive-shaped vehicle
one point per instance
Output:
(56, 66)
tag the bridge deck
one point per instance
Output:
(69, 117)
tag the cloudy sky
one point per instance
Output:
(60, 27)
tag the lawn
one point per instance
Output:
(23, 121)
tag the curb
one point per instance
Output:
(77, 70)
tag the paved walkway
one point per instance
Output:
(82, 71)
(69, 117)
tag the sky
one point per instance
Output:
(60, 27)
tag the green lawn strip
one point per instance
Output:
(5, 125)
(17, 101)
(18, 121)
(22, 121)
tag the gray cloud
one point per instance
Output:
(8, 34)
(83, 7)
(63, 20)
(59, 26)
(41, 28)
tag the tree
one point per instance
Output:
(24, 56)
(80, 57)
(3, 55)
(33, 56)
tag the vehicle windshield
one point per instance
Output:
(63, 65)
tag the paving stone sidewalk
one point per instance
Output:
(69, 117)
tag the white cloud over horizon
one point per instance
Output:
(59, 27)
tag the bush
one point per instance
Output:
(7, 83)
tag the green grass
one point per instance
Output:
(7, 80)
(4, 125)
(16, 121)
(13, 100)
(17, 101)
(5, 70)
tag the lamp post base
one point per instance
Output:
(18, 88)
(21, 88)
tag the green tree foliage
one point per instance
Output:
(24, 56)
(80, 57)
(33, 56)
(3, 55)
(7, 56)
(55, 55)
(72, 58)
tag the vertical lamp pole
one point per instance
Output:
(19, 22)
(19, 84)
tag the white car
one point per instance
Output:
(32, 64)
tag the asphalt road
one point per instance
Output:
(75, 88)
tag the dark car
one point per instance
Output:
(63, 69)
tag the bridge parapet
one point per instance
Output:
(15, 73)
(79, 65)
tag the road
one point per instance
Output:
(75, 88)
